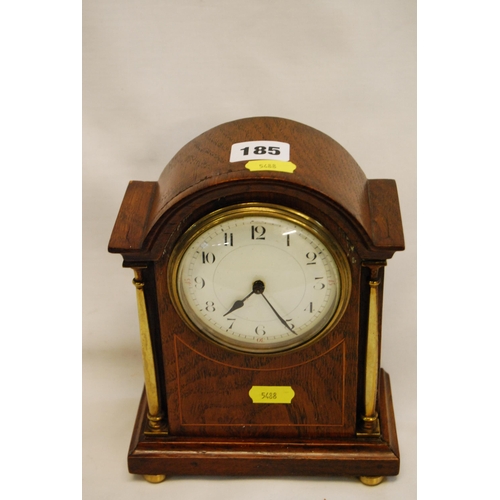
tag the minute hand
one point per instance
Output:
(276, 312)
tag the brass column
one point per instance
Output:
(372, 368)
(154, 412)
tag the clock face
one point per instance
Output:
(259, 279)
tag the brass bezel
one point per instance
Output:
(258, 209)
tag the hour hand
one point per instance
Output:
(238, 304)
(257, 287)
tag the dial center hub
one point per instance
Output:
(258, 287)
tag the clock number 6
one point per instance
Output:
(260, 330)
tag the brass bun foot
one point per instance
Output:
(371, 480)
(158, 478)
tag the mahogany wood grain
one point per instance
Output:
(324, 169)
(187, 456)
(214, 428)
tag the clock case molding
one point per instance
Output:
(195, 416)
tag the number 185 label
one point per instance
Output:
(260, 150)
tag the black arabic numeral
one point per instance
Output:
(318, 285)
(311, 256)
(207, 258)
(260, 330)
(228, 239)
(199, 282)
(258, 233)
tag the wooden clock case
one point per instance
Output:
(195, 416)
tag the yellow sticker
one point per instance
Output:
(271, 394)
(275, 165)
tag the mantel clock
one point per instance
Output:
(259, 260)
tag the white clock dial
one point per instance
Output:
(259, 279)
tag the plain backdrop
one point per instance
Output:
(156, 74)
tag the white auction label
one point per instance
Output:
(260, 150)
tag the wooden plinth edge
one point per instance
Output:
(352, 456)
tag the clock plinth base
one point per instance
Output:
(369, 458)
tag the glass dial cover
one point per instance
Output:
(259, 279)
